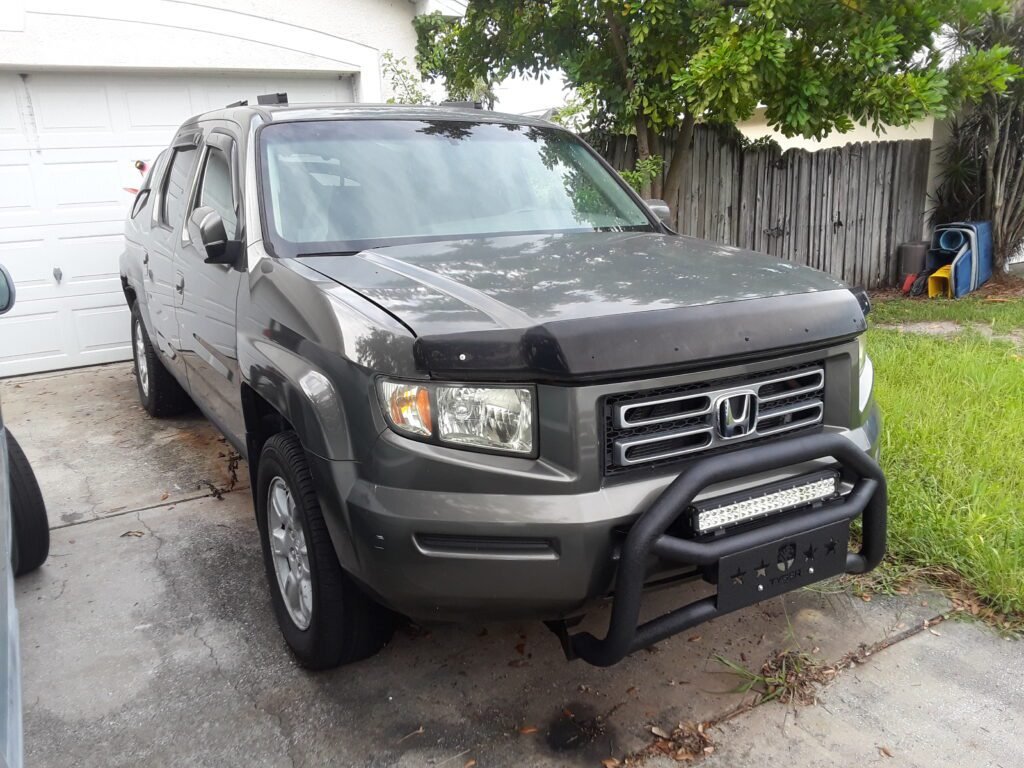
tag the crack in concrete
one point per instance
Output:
(284, 728)
(194, 619)
(63, 586)
(147, 508)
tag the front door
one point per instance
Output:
(206, 312)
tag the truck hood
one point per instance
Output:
(573, 304)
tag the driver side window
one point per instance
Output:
(216, 190)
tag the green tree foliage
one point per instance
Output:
(983, 160)
(406, 87)
(657, 67)
(431, 57)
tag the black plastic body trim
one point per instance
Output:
(675, 339)
(648, 536)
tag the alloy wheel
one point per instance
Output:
(289, 552)
(141, 364)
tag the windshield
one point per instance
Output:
(346, 185)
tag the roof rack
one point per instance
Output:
(463, 104)
(272, 98)
(242, 103)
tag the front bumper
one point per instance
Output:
(452, 555)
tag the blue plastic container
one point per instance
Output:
(967, 247)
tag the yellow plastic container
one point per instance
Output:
(940, 282)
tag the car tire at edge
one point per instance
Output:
(30, 530)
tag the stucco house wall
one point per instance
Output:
(91, 88)
(345, 37)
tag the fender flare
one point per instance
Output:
(305, 397)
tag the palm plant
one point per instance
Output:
(982, 175)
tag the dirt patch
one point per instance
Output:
(1014, 337)
(949, 328)
(937, 328)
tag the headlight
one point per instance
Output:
(862, 352)
(469, 416)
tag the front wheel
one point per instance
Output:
(324, 617)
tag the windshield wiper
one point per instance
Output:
(330, 253)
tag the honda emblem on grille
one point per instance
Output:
(736, 414)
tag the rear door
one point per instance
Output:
(139, 228)
(165, 281)
(206, 314)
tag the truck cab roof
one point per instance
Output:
(276, 113)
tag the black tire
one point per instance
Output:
(159, 392)
(344, 624)
(30, 530)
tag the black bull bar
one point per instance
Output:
(648, 536)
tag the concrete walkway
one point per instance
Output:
(932, 700)
(148, 639)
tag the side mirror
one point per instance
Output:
(660, 209)
(6, 290)
(208, 226)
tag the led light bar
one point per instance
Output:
(799, 492)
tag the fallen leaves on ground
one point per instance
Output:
(686, 742)
(132, 535)
(792, 677)
(526, 730)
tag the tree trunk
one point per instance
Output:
(680, 163)
(617, 36)
(991, 202)
(656, 182)
(643, 151)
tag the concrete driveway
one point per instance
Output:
(148, 638)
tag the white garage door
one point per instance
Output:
(68, 144)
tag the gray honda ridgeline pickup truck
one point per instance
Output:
(474, 375)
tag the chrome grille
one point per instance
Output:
(677, 423)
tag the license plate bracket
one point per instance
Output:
(782, 565)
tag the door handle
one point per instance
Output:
(145, 257)
(179, 286)
(58, 275)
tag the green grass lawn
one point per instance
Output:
(953, 445)
(1000, 316)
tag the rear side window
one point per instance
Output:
(216, 190)
(176, 186)
(142, 198)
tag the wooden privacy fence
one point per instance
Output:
(844, 210)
